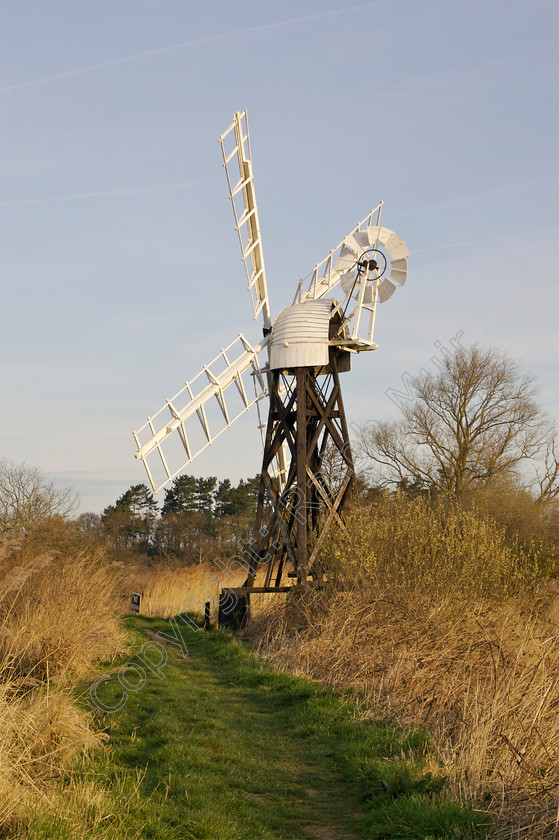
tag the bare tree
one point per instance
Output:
(27, 497)
(472, 420)
(547, 478)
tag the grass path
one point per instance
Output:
(226, 745)
(224, 748)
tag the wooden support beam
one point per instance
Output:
(301, 500)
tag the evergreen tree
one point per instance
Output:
(246, 496)
(237, 501)
(138, 501)
(224, 499)
(205, 489)
(132, 518)
(181, 497)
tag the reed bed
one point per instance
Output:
(435, 620)
(59, 614)
(42, 732)
(169, 592)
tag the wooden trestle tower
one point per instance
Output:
(307, 414)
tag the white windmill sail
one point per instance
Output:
(237, 160)
(351, 266)
(205, 406)
(201, 411)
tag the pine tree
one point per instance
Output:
(181, 497)
(224, 499)
(205, 489)
(131, 519)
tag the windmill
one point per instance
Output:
(293, 371)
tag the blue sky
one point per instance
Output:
(121, 274)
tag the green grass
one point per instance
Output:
(223, 748)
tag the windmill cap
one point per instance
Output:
(300, 335)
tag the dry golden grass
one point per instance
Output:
(483, 678)
(41, 733)
(169, 592)
(436, 621)
(59, 614)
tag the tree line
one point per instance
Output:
(197, 512)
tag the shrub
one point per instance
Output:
(433, 546)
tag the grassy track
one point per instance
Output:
(223, 748)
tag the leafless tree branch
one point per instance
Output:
(27, 497)
(472, 420)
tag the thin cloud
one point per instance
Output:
(101, 194)
(210, 39)
(468, 243)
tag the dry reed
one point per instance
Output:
(168, 592)
(59, 615)
(184, 589)
(41, 733)
(483, 678)
(436, 621)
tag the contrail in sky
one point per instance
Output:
(468, 243)
(102, 194)
(209, 39)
